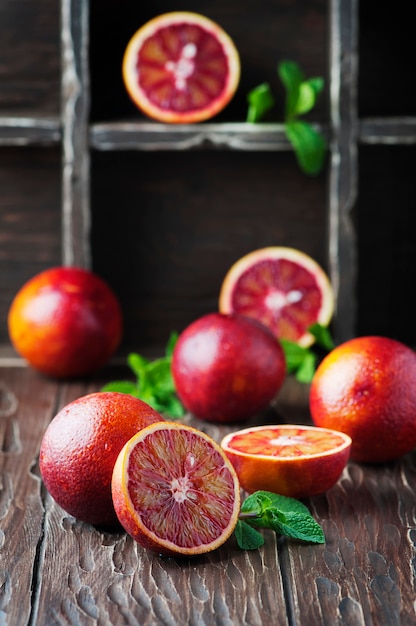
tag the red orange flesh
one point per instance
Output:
(291, 460)
(181, 67)
(283, 288)
(174, 490)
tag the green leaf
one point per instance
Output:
(122, 386)
(322, 336)
(154, 382)
(260, 100)
(308, 92)
(286, 516)
(137, 363)
(306, 370)
(292, 77)
(294, 354)
(173, 407)
(247, 537)
(159, 375)
(173, 338)
(300, 527)
(309, 145)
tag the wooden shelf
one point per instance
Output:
(77, 137)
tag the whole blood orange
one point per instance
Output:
(174, 490)
(226, 368)
(181, 67)
(366, 387)
(291, 460)
(80, 447)
(65, 321)
(283, 288)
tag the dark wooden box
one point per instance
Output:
(161, 212)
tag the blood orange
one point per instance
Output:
(66, 322)
(181, 67)
(81, 445)
(174, 490)
(291, 460)
(281, 287)
(366, 387)
(227, 368)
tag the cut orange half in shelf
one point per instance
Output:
(175, 491)
(181, 67)
(281, 287)
(291, 460)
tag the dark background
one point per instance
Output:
(167, 226)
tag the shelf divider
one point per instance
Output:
(343, 175)
(75, 107)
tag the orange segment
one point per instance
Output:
(175, 491)
(181, 67)
(281, 287)
(291, 460)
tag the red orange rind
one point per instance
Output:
(79, 449)
(65, 322)
(366, 387)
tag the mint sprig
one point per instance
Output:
(260, 101)
(302, 361)
(286, 516)
(301, 94)
(154, 382)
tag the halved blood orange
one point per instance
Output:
(175, 491)
(181, 67)
(281, 287)
(291, 460)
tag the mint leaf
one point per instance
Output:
(299, 360)
(159, 376)
(292, 78)
(247, 537)
(137, 363)
(308, 92)
(322, 336)
(173, 338)
(309, 145)
(307, 368)
(260, 101)
(294, 354)
(286, 516)
(154, 382)
(122, 386)
(302, 361)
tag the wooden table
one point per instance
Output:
(57, 570)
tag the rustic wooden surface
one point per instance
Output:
(57, 570)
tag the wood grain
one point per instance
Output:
(75, 574)
(364, 573)
(21, 507)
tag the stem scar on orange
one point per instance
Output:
(181, 67)
(366, 387)
(290, 460)
(174, 490)
(281, 287)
